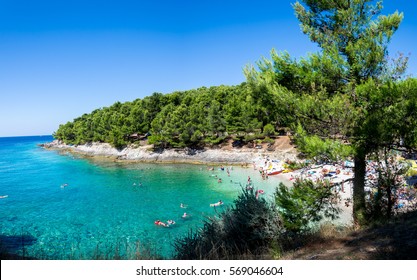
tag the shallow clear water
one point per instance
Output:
(107, 209)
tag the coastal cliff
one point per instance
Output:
(145, 153)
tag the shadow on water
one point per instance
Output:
(13, 247)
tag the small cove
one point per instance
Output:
(107, 209)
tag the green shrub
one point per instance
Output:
(268, 140)
(249, 229)
(252, 137)
(305, 203)
(269, 130)
(214, 140)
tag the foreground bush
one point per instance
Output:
(249, 229)
(305, 203)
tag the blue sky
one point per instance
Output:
(60, 59)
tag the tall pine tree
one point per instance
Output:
(321, 93)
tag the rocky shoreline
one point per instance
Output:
(225, 155)
(146, 153)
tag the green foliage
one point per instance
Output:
(384, 190)
(347, 93)
(180, 119)
(391, 114)
(315, 73)
(327, 150)
(249, 228)
(318, 105)
(268, 140)
(346, 100)
(269, 130)
(355, 30)
(212, 141)
(252, 137)
(305, 203)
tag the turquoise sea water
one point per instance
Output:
(107, 209)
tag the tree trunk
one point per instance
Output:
(359, 189)
(390, 202)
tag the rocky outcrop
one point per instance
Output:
(148, 154)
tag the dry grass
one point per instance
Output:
(395, 240)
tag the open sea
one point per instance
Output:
(59, 206)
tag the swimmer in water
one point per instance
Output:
(159, 223)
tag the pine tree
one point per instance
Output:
(327, 93)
